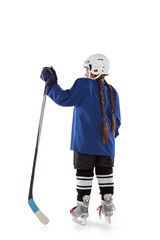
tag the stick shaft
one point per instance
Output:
(37, 145)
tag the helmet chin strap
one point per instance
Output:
(95, 77)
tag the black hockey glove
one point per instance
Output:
(49, 75)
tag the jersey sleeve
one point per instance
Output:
(117, 116)
(69, 97)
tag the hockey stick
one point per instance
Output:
(31, 202)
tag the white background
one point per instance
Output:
(63, 34)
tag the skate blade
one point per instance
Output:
(79, 220)
(108, 219)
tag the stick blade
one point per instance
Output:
(42, 218)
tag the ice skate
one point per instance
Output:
(107, 207)
(80, 212)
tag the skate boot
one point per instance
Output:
(80, 212)
(107, 207)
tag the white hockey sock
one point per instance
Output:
(84, 183)
(105, 180)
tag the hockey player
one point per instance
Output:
(95, 124)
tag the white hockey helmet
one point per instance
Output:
(97, 64)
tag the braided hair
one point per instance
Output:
(105, 132)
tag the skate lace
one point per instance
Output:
(100, 210)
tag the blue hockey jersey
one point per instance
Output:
(86, 136)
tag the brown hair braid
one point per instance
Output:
(105, 132)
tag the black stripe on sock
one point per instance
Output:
(101, 184)
(84, 179)
(106, 177)
(83, 186)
